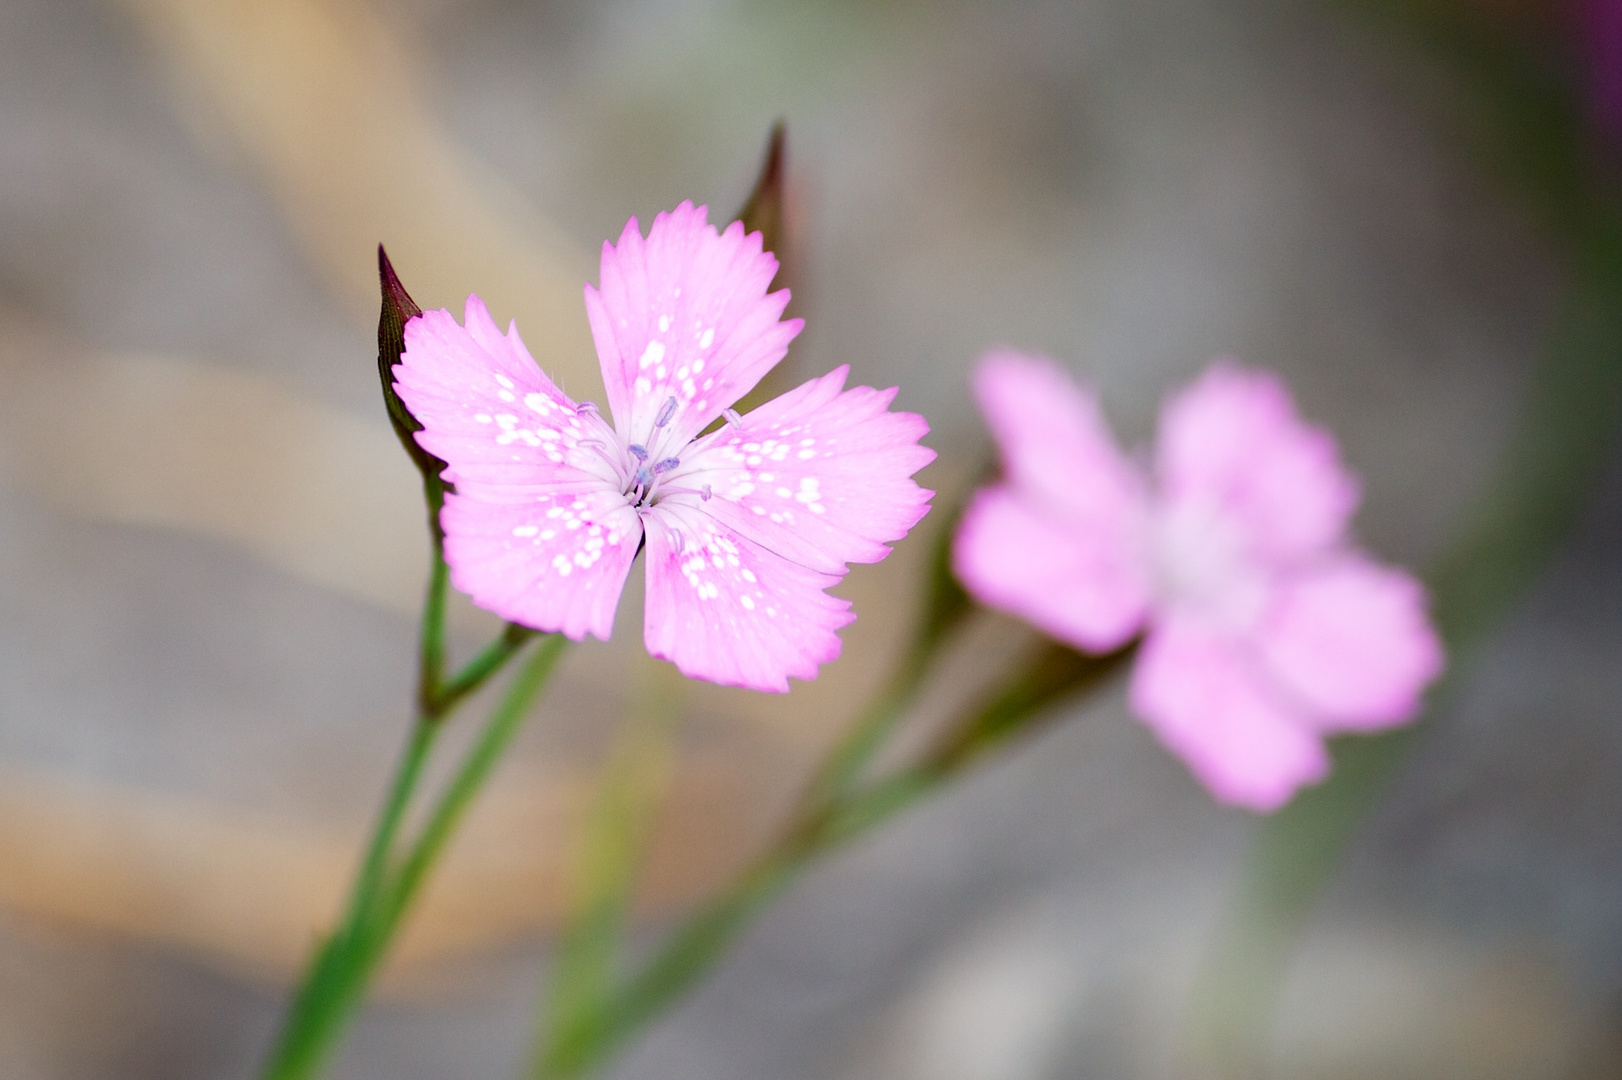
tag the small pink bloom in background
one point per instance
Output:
(1264, 629)
(1599, 26)
(744, 527)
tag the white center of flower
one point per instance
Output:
(1202, 566)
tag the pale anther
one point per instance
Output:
(666, 413)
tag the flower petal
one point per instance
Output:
(684, 315)
(1201, 695)
(820, 475)
(722, 608)
(1054, 440)
(1352, 640)
(488, 411)
(1233, 440)
(1085, 586)
(556, 561)
(537, 530)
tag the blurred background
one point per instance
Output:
(211, 549)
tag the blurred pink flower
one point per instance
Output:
(1599, 26)
(1264, 630)
(744, 527)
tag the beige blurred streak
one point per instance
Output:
(213, 451)
(318, 95)
(251, 892)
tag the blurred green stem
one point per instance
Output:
(834, 812)
(611, 854)
(1531, 129)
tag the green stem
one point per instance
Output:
(842, 814)
(946, 605)
(328, 992)
(343, 968)
(590, 943)
(470, 777)
(491, 659)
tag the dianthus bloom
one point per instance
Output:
(1263, 629)
(744, 527)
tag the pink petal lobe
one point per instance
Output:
(537, 530)
(820, 475)
(684, 314)
(1202, 697)
(1054, 441)
(722, 608)
(1083, 584)
(1233, 440)
(556, 561)
(1352, 641)
(487, 410)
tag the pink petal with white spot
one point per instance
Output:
(684, 315)
(1352, 640)
(1054, 441)
(722, 608)
(1233, 440)
(1203, 697)
(1082, 581)
(488, 410)
(820, 475)
(556, 561)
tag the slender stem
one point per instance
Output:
(328, 992)
(346, 963)
(821, 825)
(491, 659)
(946, 605)
(591, 941)
(470, 777)
(431, 636)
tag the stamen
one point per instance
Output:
(600, 449)
(666, 465)
(643, 478)
(640, 451)
(732, 417)
(704, 493)
(586, 408)
(666, 413)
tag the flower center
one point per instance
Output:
(642, 485)
(1201, 566)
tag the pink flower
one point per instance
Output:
(744, 527)
(1264, 630)
(1599, 26)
